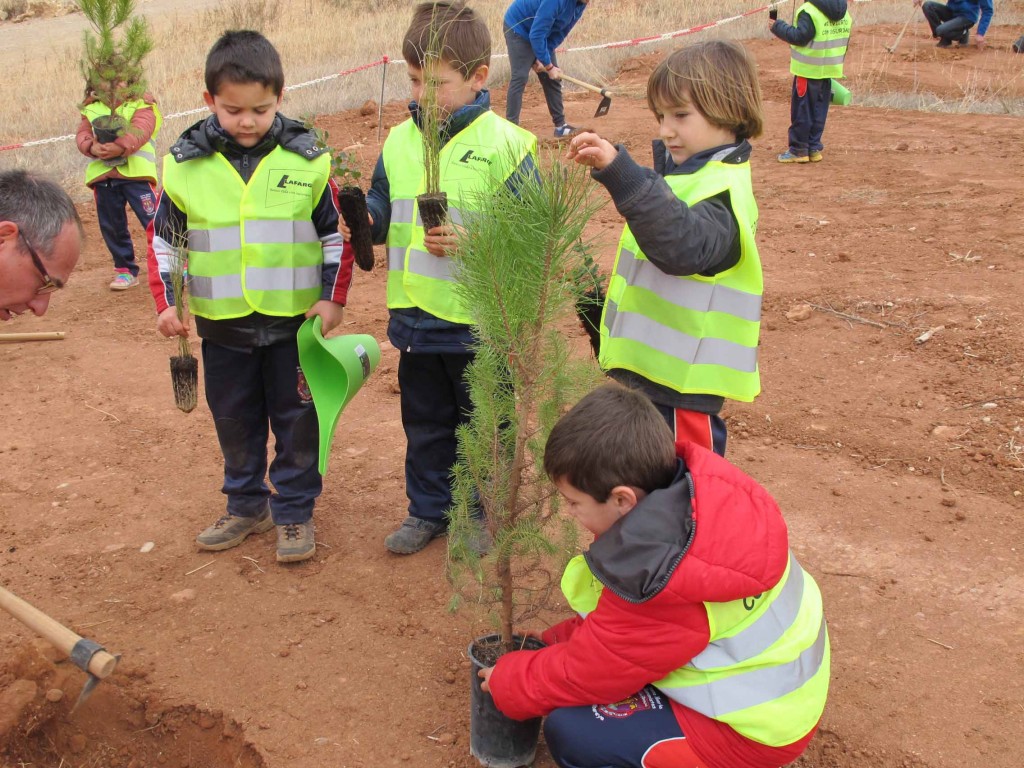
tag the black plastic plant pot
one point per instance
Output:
(185, 382)
(589, 307)
(495, 740)
(433, 209)
(108, 128)
(352, 203)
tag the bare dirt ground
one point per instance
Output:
(896, 455)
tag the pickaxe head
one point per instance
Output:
(605, 105)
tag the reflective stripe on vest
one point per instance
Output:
(478, 159)
(693, 334)
(252, 247)
(765, 671)
(823, 56)
(141, 164)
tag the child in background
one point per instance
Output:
(694, 616)
(817, 44)
(682, 316)
(428, 324)
(253, 193)
(122, 172)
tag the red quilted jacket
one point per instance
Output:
(737, 547)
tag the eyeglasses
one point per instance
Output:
(50, 284)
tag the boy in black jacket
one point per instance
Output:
(253, 194)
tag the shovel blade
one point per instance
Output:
(603, 107)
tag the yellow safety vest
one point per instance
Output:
(252, 247)
(141, 163)
(823, 56)
(693, 334)
(765, 671)
(477, 160)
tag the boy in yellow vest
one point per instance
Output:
(681, 320)
(428, 324)
(251, 192)
(693, 615)
(817, 42)
(122, 172)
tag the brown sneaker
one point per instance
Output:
(230, 531)
(295, 542)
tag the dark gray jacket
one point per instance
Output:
(679, 239)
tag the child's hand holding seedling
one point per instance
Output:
(345, 231)
(331, 315)
(168, 323)
(590, 149)
(441, 241)
(106, 151)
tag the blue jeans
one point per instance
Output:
(435, 401)
(520, 62)
(251, 391)
(112, 195)
(808, 109)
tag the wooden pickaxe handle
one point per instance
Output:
(588, 86)
(101, 663)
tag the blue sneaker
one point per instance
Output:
(564, 130)
(789, 157)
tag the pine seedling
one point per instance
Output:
(351, 200)
(184, 366)
(432, 203)
(112, 67)
(515, 267)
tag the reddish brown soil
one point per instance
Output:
(897, 458)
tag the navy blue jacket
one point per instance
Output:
(802, 32)
(545, 23)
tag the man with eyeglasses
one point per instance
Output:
(40, 242)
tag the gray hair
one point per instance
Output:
(38, 205)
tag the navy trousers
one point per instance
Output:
(435, 401)
(520, 62)
(112, 195)
(638, 732)
(808, 109)
(250, 392)
(945, 24)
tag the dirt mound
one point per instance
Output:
(121, 725)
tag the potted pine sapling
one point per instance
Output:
(433, 201)
(184, 365)
(351, 200)
(111, 65)
(515, 264)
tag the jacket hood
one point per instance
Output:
(206, 137)
(834, 9)
(714, 535)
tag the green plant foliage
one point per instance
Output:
(344, 165)
(516, 262)
(112, 67)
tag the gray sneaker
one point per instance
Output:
(414, 534)
(295, 542)
(230, 531)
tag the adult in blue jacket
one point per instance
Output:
(951, 21)
(533, 30)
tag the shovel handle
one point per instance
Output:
(63, 639)
(14, 338)
(588, 86)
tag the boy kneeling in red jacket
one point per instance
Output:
(693, 615)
